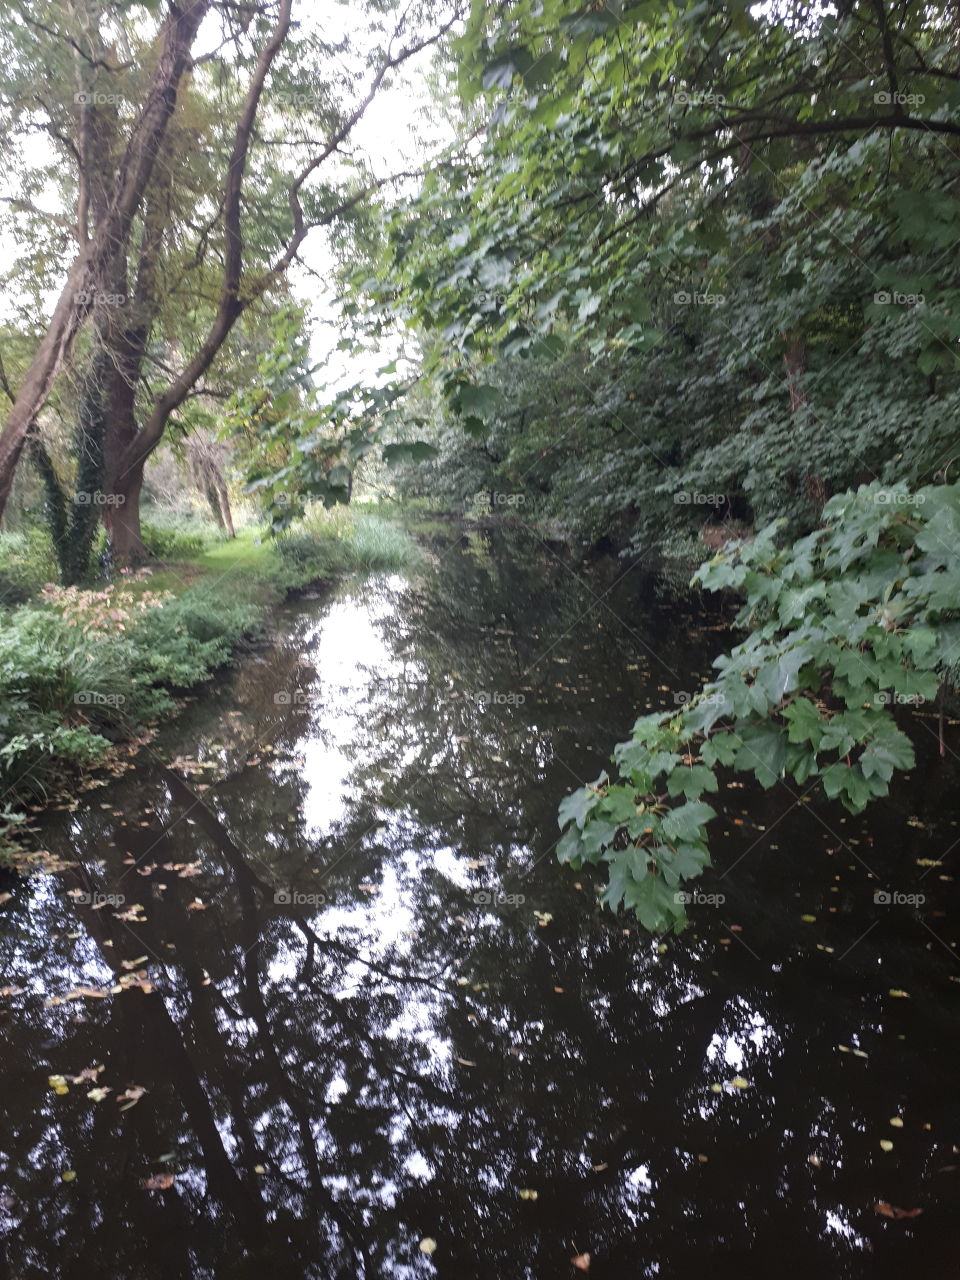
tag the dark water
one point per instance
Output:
(347, 1050)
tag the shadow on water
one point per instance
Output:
(380, 1011)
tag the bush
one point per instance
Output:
(170, 542)
(180, 644)
(59, 687)
(327, 543)
(26, 563)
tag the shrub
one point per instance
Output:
(170, 542)
(59, 687)
(327, 543)
(26, 563)
(193, 634)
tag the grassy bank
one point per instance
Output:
(85, 670)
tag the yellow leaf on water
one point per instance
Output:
(581, 1261)
(738, 1082)
(716, 1088)
(886, 1144)
(526, 1194)
(809, 919)
(428, 1245)
(68, 1176)
(896, 1122)
(902, 995)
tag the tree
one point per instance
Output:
(242, 246)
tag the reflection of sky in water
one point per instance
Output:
(345, 648)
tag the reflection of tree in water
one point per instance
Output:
(324, 1045)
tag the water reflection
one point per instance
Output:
(380, 1011)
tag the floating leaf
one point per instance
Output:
(428, 1245)
(68, 1175)
(739, 1082)
(901, 995)
(896, 1122)
(886, 1144)
(98, 1094)
(891, 1211)
(528, 1195)
(158, 1181)
(581, 1261)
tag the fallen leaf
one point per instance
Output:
(581, 1261)
(98, 1094)
(528, 1195)
(891, 1211)
(896, 1122)
(738, 1082)
(68, 1176)
(428, 1245)
(158, 1181)
(902, 995)
(886, 1144)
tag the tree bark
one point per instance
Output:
(93, 265)
(122, 519)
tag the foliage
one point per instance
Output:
(87, 667)
(859, 618)
(26, 563)
(169, 542)
(341, 541)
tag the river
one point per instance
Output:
(337, 1003)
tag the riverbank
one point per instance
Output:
(87, 673)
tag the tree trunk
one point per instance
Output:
(125, 545)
